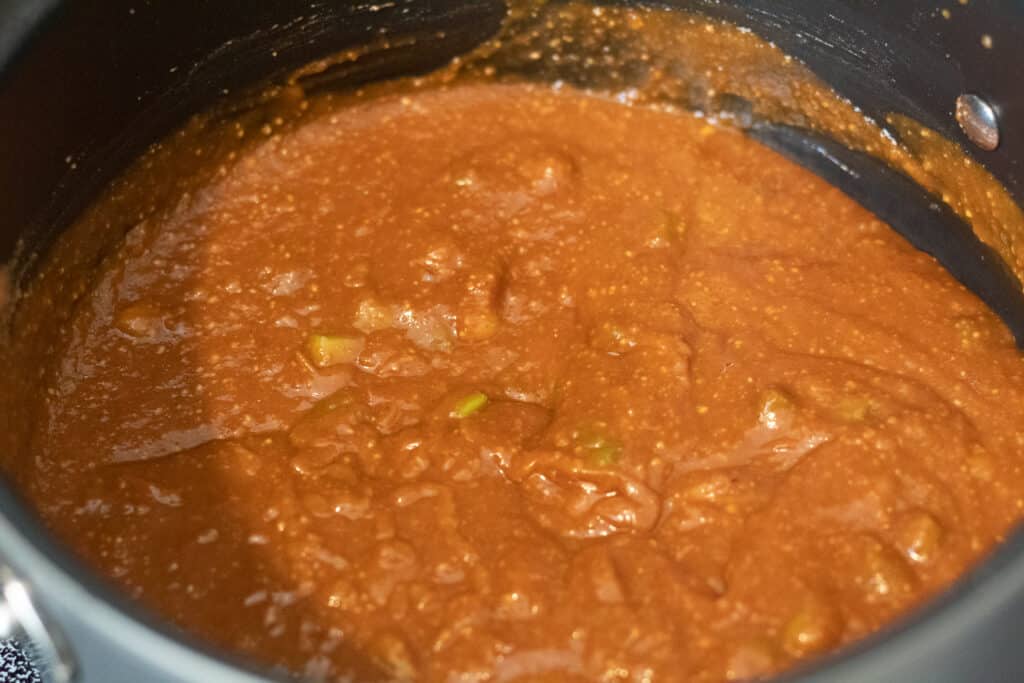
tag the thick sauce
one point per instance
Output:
(500, 382)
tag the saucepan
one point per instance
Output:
(85, 86)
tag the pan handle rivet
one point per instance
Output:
(978, 121)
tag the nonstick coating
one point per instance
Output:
(85, 86)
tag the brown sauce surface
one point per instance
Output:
(505, 382)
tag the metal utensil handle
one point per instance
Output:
(21, 621)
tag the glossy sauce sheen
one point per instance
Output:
(500, 382)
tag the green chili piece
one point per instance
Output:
(597, 449)
(468, 405)
(605, 455)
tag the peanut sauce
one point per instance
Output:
(516, 382)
